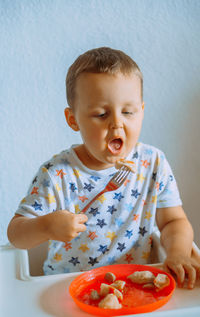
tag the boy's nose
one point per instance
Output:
(116, 121)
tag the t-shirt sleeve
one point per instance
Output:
(168, 193)
(41, 198)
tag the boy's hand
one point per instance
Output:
(64, 226)
(183, 266)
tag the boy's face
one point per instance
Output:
(108, 112)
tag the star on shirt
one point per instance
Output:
(76, 173)
(89, 187)
(148, 215)
(129, 233)
(74, 261)
(111, 209)
(101, 198)
(92, 261)
(118, 196)
(111, 235)
(128, 258)
(35, 191)
(84, 247)
(140, 177)
(92, 235)
(82, 198)
(142, 231)
(95, 178)
(94, 211)
(37, 206)
(135, 155)
(121, 246)
(72, 187)
(103, 248)
(50, 198)
(48, 165)
(101, 223)
(60, 173)
(154, 176)
(135, 193)
(119, 222)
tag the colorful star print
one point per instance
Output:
(111, 209)
(94, 211)
(121, 246)
(74, 261)
(101, 223)
(37, 206)
(103, 249)
(118, 196)
(135, 193)
(142, 231)
(92, 261)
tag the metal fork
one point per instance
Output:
(116, 181)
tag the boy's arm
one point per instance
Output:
(26, 233)
(177, 237)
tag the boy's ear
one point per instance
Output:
(70, 118)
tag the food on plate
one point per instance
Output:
(161, 281)
(94, 295)
(110, 277)
(142, 277)
(112, 294)
(110, 301)
(117, 293)
(148, 286)
(118, 284)
(122, 162)
(104, 289)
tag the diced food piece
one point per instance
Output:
(118, 284)
(110, 277)
(94, 295)
(122, 162)
(104, 289)
(149, 286)
(161, 281)
(110, 302)
(118, 293)
(142, 277)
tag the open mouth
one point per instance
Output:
(115, 145)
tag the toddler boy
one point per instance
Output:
(104, 93)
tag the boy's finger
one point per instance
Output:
(82, 218)
(180, 273)
(191, 275)
(81, 228)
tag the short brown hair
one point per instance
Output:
(100, 60)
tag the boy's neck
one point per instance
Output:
(89, 161)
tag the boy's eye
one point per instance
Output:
(127, 112)
(100, 115)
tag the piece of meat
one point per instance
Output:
(110, 302)
(142, 277)
(110, 277)
(118, 284)
(161, 281)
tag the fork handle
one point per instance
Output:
(90, 203)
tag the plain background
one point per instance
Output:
(38, 42)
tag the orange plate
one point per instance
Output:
(136, 299)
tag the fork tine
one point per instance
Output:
(123, 173)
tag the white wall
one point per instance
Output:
(39, 39)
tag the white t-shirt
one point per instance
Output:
(120, 223)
